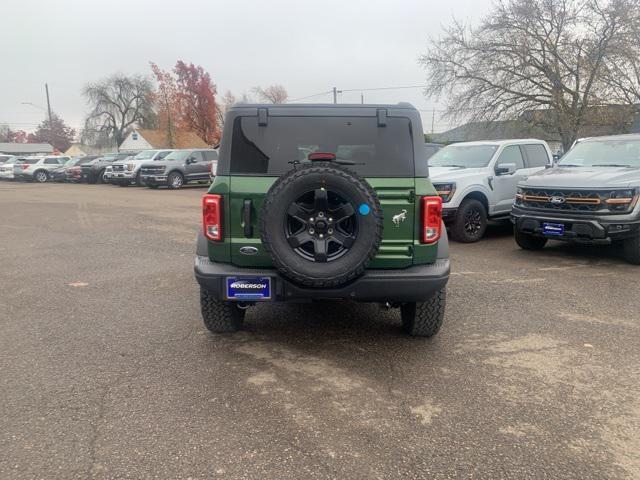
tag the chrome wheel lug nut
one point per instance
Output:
(321, 236)
(330, 231)
(312, 231)
(312, 219)
(321, 214)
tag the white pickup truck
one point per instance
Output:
(477, 181)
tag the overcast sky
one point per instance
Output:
(306, 46)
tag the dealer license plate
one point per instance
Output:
(555, 229)
(248, 288)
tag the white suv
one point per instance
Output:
(37, 168)
(477, 181)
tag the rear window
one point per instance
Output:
(273, 149)
(29, 161)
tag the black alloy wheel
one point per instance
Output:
(321, 225)
(472, 222)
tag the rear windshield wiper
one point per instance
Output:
(338, 161)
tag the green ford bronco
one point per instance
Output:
(322, 202)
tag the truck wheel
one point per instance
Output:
(138, 180)
(40, 176)
(220, 317)
(470, 222)
(175, 181)
(424, 319)
(632, 250)
(321, 224)
(529, 242)
(100, 178)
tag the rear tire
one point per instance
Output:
(220, 317)
(529, 242)
(175, 181)
(424, 319)
(41, 176)
(632, 250)
(470, 222)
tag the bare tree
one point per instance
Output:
(272, 94)
(622, 74)
(228, 100)
(525, 55)
(118, 103)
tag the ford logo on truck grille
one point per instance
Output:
(248, 250)
(557, 200)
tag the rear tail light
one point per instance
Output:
(431, 219)
(212, 216)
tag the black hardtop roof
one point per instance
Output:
(401, 105)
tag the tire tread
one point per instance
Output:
(424, 319)
(219, 317)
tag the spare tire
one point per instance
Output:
(322, 225)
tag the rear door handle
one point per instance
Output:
(246, 219)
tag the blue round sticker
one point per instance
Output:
(364, 209)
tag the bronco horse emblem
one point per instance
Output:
(401, 217)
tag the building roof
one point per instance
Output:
(22, 148)
(500, 130)
(182, 139)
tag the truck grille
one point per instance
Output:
(577, 201)
(118, 168)
(152, 170)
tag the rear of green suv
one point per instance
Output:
(316, 202)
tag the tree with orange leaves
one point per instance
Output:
(197, 95)
(185, 99)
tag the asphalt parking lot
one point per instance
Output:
(107, 371)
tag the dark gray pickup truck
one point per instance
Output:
(180, 167)
(590, 196)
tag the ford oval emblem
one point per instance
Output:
(557, 200)
(248, 250)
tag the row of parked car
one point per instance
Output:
(589, 196)
(153, 168)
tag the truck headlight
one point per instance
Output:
(445, 190)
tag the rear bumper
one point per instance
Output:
(578, 229)
(413, 284)
(23, 176)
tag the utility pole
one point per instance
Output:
(433, 119)
(46, 87)
(335, 95)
